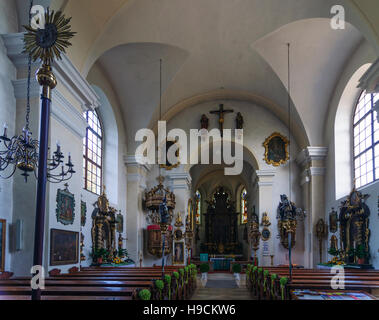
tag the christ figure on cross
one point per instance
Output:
(221, 111)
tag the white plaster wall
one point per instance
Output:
(259, 124)
(362, 56)
(8, 24)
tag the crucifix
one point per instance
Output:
(221, 111)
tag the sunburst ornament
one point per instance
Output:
(48, 43)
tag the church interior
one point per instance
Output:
(98, 204)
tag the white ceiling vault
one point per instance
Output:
(239, 45)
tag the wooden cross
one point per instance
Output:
(221, 113)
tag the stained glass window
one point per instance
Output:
(92, 153)
(243, 206)
(198, 207)
(366, 140)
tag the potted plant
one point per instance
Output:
(361, 253)
(237, 270)
(204, 268)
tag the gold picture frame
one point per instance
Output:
(64, 247)
(168, 166)
(178, 253)
(276, 149)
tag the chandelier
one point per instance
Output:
(21, 151)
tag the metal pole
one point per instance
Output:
(289, 253)
(48, 82)
(163, 248)
(41, 188)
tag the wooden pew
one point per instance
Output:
(261, 285)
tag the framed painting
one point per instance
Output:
(65, 206)
(276, 149)
(120, 222)
(64, 247)
(333, 221)
(178, 234)
(3, 227)
(83, 213)
(178, 254)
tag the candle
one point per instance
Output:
(5, 130)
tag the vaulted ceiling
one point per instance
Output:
(239, 45)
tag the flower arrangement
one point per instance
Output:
(117, 260)
(336, 261)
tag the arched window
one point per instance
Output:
(366, 140)
(92, 153)
(243, 206)
(198, 207)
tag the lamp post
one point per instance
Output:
(46, 45)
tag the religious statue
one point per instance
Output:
(287, 215)
(321, 233)
(178, 221)
(204, 122)
(265, 220)
(120, 241)
(221, 112)
(104, 226)
(354, 227)
(254, 234)
(239, 121)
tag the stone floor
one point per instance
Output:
(220, 288)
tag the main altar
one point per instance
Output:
(221, 226)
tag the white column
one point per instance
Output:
(312, 180)
(180, 184)
(265, 181)
(136, 185)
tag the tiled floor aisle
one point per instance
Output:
(221, 293)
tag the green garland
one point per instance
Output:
(273, 277)
(255, 268)
(186, 269)
(181, 271)
(176, 276)
(167, 278)
(265, 275)
(144, 294)
(160, 285)
(283, 281)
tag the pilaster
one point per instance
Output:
(312, 179)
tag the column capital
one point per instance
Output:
(264, 177)
(309, 154)
(179, 180)
(131, 160)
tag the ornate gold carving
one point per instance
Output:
(266, 146)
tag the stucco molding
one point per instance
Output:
(370, 80)
(64, 70)
(309, 154)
